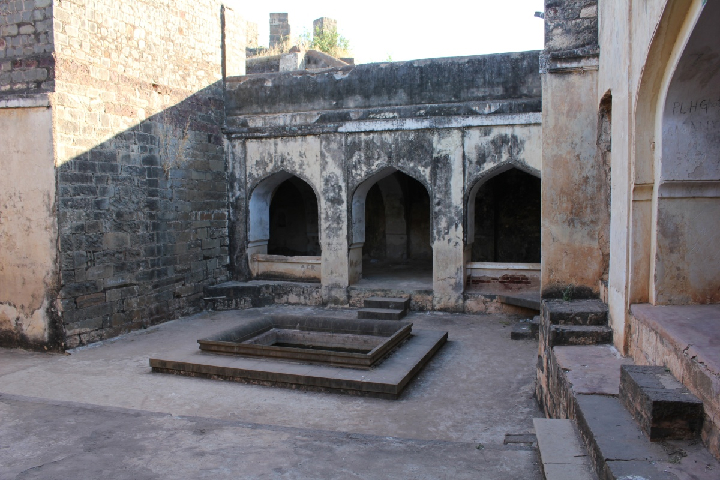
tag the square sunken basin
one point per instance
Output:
(351, 343)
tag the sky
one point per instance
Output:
(378, 30)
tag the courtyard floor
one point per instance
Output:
(100, 413)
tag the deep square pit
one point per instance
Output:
(338, 342)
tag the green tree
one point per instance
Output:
(328, 41)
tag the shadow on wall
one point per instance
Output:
(143, 222)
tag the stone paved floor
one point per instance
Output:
(101, 413)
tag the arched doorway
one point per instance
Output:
(283, 230)
(391, 232)
(503, 242)
(294, 220)
(686, 267)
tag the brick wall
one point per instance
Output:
(141, 173)
(26, 47)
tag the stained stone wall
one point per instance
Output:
(26, 47)
(140, 159)
(446, 122)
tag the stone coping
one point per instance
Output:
(380, 336)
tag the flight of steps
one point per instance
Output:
(635, 422)
(384, 308)
(580, 322)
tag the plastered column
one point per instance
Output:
(334, 220)
(447, 225)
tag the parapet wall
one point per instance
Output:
(439, 81)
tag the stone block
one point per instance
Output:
(579, 335)
(662, 406)
(576, 312)
(387, 302)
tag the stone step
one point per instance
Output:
(392, 303)
(562, 452)
(381, 314)
(576, 312)
(617, 446)
(662, 406)
(580, 335)
(525, 330)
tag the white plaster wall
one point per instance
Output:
(28, 228)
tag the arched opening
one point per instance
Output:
(294, 220)
(686, 264)
(504, 232)
(283, 233)
(391, 232)
(604, 147)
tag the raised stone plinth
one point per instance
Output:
(661, 405)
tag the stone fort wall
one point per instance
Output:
(142, 203)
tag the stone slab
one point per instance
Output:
(612, 432)
(387, 380)
(593, 369)
(555, 471)
(559, 442)
(525, 301)
(663, 407)
(693, 329)
(381, 314)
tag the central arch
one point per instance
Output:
(391, 231)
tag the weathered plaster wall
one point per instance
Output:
(344, 129)
(572, 182)
(573, 220)
(27, 64)
(687, 263)
(28, 227)
(141, 170)
(640, 42)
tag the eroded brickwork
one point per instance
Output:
(141, 171)
(26, 47)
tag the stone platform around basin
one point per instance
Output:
(386, 380)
